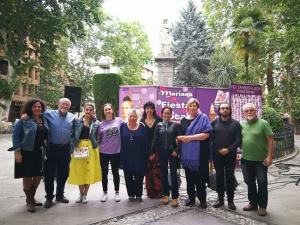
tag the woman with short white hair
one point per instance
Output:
(134, 155)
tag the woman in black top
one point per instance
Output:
(164, 139)
(153, 176)
(30, 138)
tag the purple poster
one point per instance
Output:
(240, 94)
(134, 97)
(176, 98)
(210, 99)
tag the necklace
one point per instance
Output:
(132, 131)
(149, 122)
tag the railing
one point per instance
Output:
(284, 141)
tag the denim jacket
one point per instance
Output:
(93, 131)
(24, 135)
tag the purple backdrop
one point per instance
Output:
(241, 94)
(176, 98)
(139, 95)
(210, 99)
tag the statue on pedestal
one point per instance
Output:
(165, 39)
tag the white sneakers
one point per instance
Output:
(116, 197)
(82, 199)
(104, 197)
(79, 199)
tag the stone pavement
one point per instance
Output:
(283, 209)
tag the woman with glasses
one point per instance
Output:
(164, 140)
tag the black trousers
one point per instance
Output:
(134, 183)
(57, 165)
(196, 180)
(165, 159)
(114, 160)
(225, 164)
(255, 171)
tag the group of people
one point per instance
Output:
(56, 144)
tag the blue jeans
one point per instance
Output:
(255, 171)
(165, 159)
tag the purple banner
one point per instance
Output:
(133, 97)
(210, 99)
(240, 94)
(176, 98)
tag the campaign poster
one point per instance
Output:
(240, 94)
(133, 97)
(176, 98)
(210, 99)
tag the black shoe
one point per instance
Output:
(139, 199)
(189, 202)
(62, 199)
(48, 204)
(203, 204)
(131, 198)
(231, 206)
(219, 203)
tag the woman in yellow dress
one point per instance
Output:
(85, 163)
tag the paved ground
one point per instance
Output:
(283, 209)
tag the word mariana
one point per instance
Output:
(169, 93)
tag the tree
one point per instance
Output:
(193, 47)
(127, 44)
(223, 68)
(247, 26)
(43, 24)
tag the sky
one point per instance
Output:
(150, 13)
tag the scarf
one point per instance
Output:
(190, 154)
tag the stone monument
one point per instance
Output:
(165, 60)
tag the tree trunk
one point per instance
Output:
(270, 78)
(246, 61)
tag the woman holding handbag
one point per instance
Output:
(85, 163)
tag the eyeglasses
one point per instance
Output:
(223, 108)
(249, 110)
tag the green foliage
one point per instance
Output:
(43, 24)
(223, 67)
(193, 47)
(247, 27)
(296, 109)
(106, 90)
(273, 117)
(128, 45)
(6, 89)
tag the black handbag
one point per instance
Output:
(213, 181)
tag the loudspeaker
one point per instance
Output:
(74, 94)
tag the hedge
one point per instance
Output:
(274, 118)
(106, 90)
